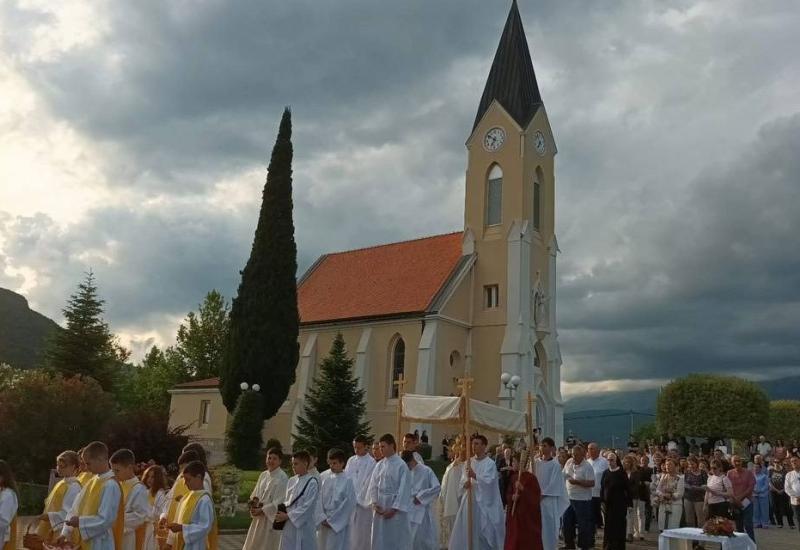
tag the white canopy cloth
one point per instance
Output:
(437, 409)
(681, 539)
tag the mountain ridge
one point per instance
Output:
(23, 332)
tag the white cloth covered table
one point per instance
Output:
(681, 539)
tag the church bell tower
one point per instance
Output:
(509, 220)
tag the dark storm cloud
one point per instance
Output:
(674, 212)
(711, 283)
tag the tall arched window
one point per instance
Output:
(537, 199)
(398, 365)
(494, 196)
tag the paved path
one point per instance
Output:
(768, 539)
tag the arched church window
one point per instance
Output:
(494, 196)
(398, 365)
(537, 199)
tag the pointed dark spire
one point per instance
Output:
(512, 81)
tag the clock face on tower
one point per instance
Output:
(494, 139)
(539, 143)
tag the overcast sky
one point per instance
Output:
(134, 138)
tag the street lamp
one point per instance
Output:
(511, 384)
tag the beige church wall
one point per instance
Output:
(185, 411)
(451, 338)
(457, 306)
(486, 343)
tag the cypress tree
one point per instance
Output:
(335, 407)
(86, 347)
(243, 441)
(262, 343)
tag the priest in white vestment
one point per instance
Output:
(450, 497)
(554, 493)
(390, 498)
(488, 519)
(359, 469)
(425, 489)
(302, 500)
(337, 501)
(269, 491)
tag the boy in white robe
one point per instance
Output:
(134, 497)
(269, 491)
(54, 516)
(411, 443)
(554, 493)
(194, 520)
(488, 519)
(301, 502)
(337, 501)
(359, 470)
(95, 526)
(390, 498)
(9, 506)
(425, 490)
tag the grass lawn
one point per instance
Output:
(247, 483)
(240, 521)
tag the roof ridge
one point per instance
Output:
(393, 243)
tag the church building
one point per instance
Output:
(480, 301)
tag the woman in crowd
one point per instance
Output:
(616, 496)
(635, 516)
(9, 504)
(761, 497)
(694, 480)
(645, 478)
(780, 501)
(719, 491)
(669, 492)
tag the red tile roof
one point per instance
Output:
(199, 384)
(380, 281)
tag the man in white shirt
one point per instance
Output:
(599, 465)
(580, 482)
(359, 470)
(390, 498)
(764, 448)
(792, 488)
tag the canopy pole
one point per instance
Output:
(465, 387)
(400, 383)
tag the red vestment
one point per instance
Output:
(524, 527)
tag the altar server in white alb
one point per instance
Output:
(9, 505)
(194, 520)
(425, 490)
(337, 501)
(134, 498)
(554, 493)
(390, 498)
(301, 501)
(61, 498)
(480, 480)
(268, 493)
(359, 470)
(96, 515)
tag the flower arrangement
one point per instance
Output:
(719, 527)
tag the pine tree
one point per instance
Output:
(201, 337)
(262, 344)
(86, 347)
(243, 442)
(334, 408)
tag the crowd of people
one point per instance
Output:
(385, 497)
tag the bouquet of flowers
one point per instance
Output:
(719, 527)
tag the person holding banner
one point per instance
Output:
(523, 514)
